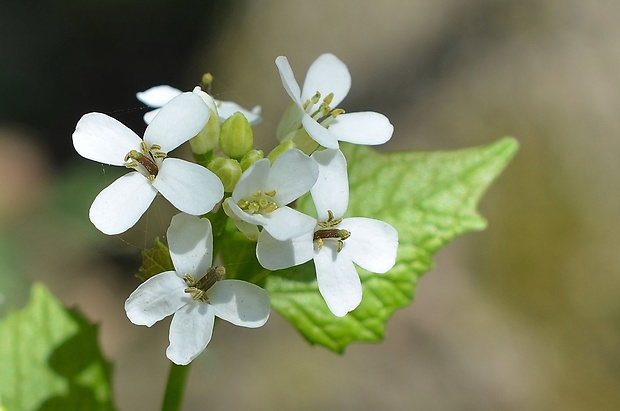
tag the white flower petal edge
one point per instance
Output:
(190, 187)
(331, 191)
(327, 74)
(101, 138)
(373, 244)
(288, 79)
(190, 332)
(338, 281)
(286, 223)
(190, 241)
(292, 175)
(367, 128)
(277, 255)
(240, 303)
(177, 121)
(158, 96)
(156, 298)
(119, 206)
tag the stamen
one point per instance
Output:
(259, 202)
(331, 233)
(144, 160)
(198, 288)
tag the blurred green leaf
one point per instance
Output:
(50, 359)
(429, 197)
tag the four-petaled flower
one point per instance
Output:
(327, 83)
(158, 96)
(261, 196)
(195, 293)
(188, 186)
(335, 243)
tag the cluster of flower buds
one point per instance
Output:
(255, 191)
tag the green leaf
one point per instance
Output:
(429, 197)
(154, 261)
(50, 359)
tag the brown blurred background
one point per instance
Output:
(523, 316)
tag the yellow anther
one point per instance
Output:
(328, 99)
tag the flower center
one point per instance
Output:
(260, 202)
(322, 112)
(146, 161)
(328, 231)
(198, 288)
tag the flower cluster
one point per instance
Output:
(255, 191)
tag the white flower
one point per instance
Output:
(336, 242)
(262, 193)
(157, 96)
(327, 83)
(189, 187)
(195, 293)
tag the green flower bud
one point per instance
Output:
(250, 157)
(280, 149)
(236, 136)
(206, 140)
(228, 170)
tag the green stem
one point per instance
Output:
(173, 397)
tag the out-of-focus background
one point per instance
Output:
(523, 316)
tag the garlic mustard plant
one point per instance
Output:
(335, 243)
(262, 216)
(189, 187)
(195, 293)
(314, 108)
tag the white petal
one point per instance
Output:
(190, 332)
(331, 191)
(190, 187)
(368, 128)
(286, 223)
(240, 303)
(288, 79)
(178, 121)
(276, 255)
(338, 281)
(156, 298)
(328, 74)
(206, 97)
(121, 204)
(373, 244)
(101, 138)
(158, 96)
(236, 213)
(292, 175)
(226, 109)
(319, 133)
(190, 240)
(252, 180)
(149, 116)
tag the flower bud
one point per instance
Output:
(206, 140)
(236, 136)
(250, 157)
(280, 149)
(228, 171)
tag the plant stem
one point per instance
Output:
(173, 397)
